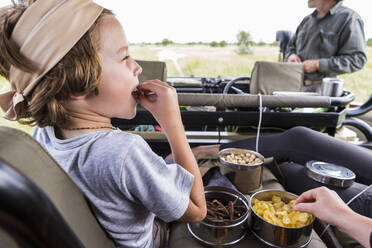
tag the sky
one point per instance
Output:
(214, 20)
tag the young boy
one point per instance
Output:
(70, 72)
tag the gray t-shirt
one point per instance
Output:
(126, 183)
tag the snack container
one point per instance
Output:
(246, 178)
(221, 234)
(274, 235)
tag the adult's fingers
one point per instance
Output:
(305, 207)
(308, 196)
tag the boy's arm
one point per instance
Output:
(164, 107)
(182, 154)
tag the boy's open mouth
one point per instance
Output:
(136, 93)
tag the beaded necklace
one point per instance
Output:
(82, 128)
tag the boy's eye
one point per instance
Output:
(126, 57)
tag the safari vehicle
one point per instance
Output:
(42, 207)
(221, 109)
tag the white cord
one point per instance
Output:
(352, 199)
(259, 121)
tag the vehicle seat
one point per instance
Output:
(28, 216)
(283, 37)
(27, 156)
(152, 70)
(268, 77)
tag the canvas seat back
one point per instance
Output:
(152, 70)
(25, 154)
(268, 77)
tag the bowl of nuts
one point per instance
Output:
(243, 168)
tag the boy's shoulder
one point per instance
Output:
(117, 140)
(105, 141)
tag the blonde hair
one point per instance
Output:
(78, 73)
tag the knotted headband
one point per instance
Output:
(45, 33)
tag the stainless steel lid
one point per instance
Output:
(330, 174)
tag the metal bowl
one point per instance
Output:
(216, 235)
(273, 235)
(246, 178)
(238, 166)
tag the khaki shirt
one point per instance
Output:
(337, 40)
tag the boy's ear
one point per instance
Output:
(76, 97)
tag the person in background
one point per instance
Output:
(328, 42)
(326, 205)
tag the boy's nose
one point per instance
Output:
(138, 69)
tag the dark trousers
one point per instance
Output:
(160, 233)
(293, 148)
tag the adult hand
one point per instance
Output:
(161, 100)
(310, 65)
(294, 58)
(328, 206)
(324, 204)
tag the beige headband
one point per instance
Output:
(46, 31)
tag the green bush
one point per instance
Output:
(166, 42)
(222, 43)
(244, 43)
(369, 42)
(214, 44)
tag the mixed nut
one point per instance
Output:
(241, 158)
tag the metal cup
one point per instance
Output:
(332, 87)
(273, 235)
(246, 178)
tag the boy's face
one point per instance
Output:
(119, 73)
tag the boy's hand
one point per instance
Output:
(161, 100)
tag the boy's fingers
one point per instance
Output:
(149, 95)
(153, 83)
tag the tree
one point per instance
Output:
(369, 42)
(213, 44)
(222, 43)
(244, 42)
(166, 42)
